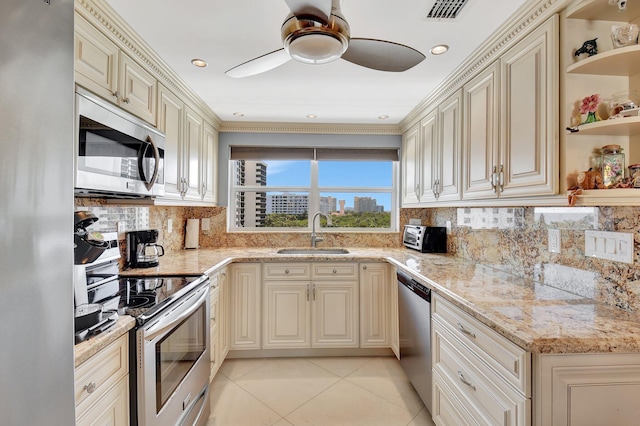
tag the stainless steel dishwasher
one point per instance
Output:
(414, 308)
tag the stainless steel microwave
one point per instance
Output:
(117, 154)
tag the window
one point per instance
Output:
(282, 188)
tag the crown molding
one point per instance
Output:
(103, 16)
(316, 128)
(525, 20)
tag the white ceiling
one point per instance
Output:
(228, 32)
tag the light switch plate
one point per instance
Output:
(617, 246)
(169, 226)
(554, 241)
(206, 224)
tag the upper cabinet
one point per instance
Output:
(431, 156)
(497, 137)
(106, 70)
(105, 48)
(612, 70)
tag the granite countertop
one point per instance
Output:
(537, 317)
(85, 350)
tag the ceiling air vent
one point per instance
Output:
(438, 10)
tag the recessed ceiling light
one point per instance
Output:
(439, 49)
(200, 63)
(238, 114)
(383, 117)
(311, 116)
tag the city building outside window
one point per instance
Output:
(283, 189)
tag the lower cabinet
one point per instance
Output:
(245, 306)
(310, 305)
(479, 376)
(214, 331)
(102, 386)
(587, 389)
(375, 305)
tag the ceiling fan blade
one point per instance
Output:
(260, 64)
(317, 8)
(382, 55)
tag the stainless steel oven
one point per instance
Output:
(172, 365)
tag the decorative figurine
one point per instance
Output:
(589, 109)
(590, 47)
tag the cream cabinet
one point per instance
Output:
(529, 142)
(191, 149)
(431, 156)
(479, 373)
(310, 305)
(245, 307)
(102, 386)
(587, 389)
(375, 305)
(214, 331)
(109, 72)
(224, 318)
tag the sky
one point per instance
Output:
(334, 173)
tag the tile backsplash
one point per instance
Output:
(513, 240)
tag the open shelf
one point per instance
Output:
(626, 126)
(624, 61)
(609, 197)
(601, 10)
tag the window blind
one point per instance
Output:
(257, 153)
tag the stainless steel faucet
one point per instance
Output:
(314, 237)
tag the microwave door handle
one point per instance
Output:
(156, 154)
(160, 327)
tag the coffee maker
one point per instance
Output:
(143, 250)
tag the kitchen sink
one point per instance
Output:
(313, 251)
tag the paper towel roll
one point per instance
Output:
(192, 234)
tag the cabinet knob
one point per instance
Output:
(115, 94)
(286, 271)
(90, 387)
(126, 100)
(364, 267)
(335, 271)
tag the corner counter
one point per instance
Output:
(538, 318)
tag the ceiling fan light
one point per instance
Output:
(316, 48)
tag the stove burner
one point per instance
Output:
(140, 300)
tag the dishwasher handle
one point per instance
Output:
(418, 288)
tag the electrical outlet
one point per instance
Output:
(206, 224)
(169, 226)
(122, 227)
(554, 241)
(448, 224)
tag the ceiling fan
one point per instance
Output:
(315, 32)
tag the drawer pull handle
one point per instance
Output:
(465, 331)
(90, 387)
(465, 381)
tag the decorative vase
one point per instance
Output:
(589, 117)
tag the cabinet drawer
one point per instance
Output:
(510, 360)
(327, 271)
(477, 385)
(447, 409)
(111, 409)
(286, 271)
(98, 374)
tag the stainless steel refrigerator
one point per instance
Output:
(36, 212)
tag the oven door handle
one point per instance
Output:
(168, 322)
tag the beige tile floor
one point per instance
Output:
(315, 391)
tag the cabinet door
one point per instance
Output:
(245, 306)
(394, 322)
(587, 389)
(529, 105)
(335, 314)
(374, 305)
(225, 313)
(480, 134)
(428, 153)
(96, 61)
(138, 90)
(170, 122)
(447, 161)
(194, 128)
(410, 166)
(286, 315)
(209, 162)
(110, 409)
